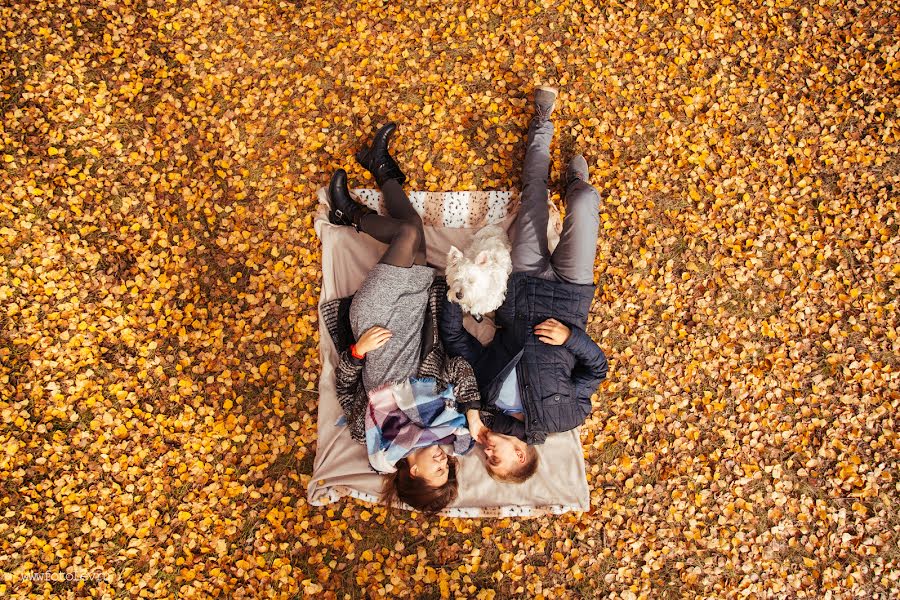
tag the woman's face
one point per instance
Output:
(430, 465)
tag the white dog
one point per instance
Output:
(476, 278)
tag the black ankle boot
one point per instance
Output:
(344, 209)
(378, 161)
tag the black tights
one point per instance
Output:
(402, 230)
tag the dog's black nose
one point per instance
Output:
(477, 318)
(459, 295)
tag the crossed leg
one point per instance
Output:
(402, 230)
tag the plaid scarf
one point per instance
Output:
(410, 415)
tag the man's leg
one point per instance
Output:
(529, 232)
(573, 258)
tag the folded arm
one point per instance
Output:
(351, 393)
(507, 425)
(591, 368)
(458, 372)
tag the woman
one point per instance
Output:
(399, 391)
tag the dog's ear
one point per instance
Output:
(453, 255)
(481, 259)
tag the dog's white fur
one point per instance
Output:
(476, 278)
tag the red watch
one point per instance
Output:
(354, 354)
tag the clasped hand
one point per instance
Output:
(477, 429)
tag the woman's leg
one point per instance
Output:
(398, 206)
(397, 202)
(402, 231)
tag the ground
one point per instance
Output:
(159, 277)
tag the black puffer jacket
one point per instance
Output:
(555, 382)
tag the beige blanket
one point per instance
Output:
(341, 466)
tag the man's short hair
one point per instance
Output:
(521, 473)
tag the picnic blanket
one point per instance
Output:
(341, 466)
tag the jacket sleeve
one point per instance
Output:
(507, 425)
(590, 369)
(459, 373)
(456, 340)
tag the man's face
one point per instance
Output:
(430, 465)
(503, 452)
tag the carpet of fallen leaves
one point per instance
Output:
(159, 273)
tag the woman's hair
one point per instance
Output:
(402, 485)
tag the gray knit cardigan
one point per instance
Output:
(435, 363)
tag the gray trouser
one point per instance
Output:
(573, 259)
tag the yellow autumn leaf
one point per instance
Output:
(159, 208)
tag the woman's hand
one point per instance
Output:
(477, 429)
(373, 338)
(552, 332)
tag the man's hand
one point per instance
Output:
(477, 429)
(552, 332)
(374, 337)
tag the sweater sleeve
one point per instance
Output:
(591, 368)
(459, 373)
(350, 392)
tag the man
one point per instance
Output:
(539, 372)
